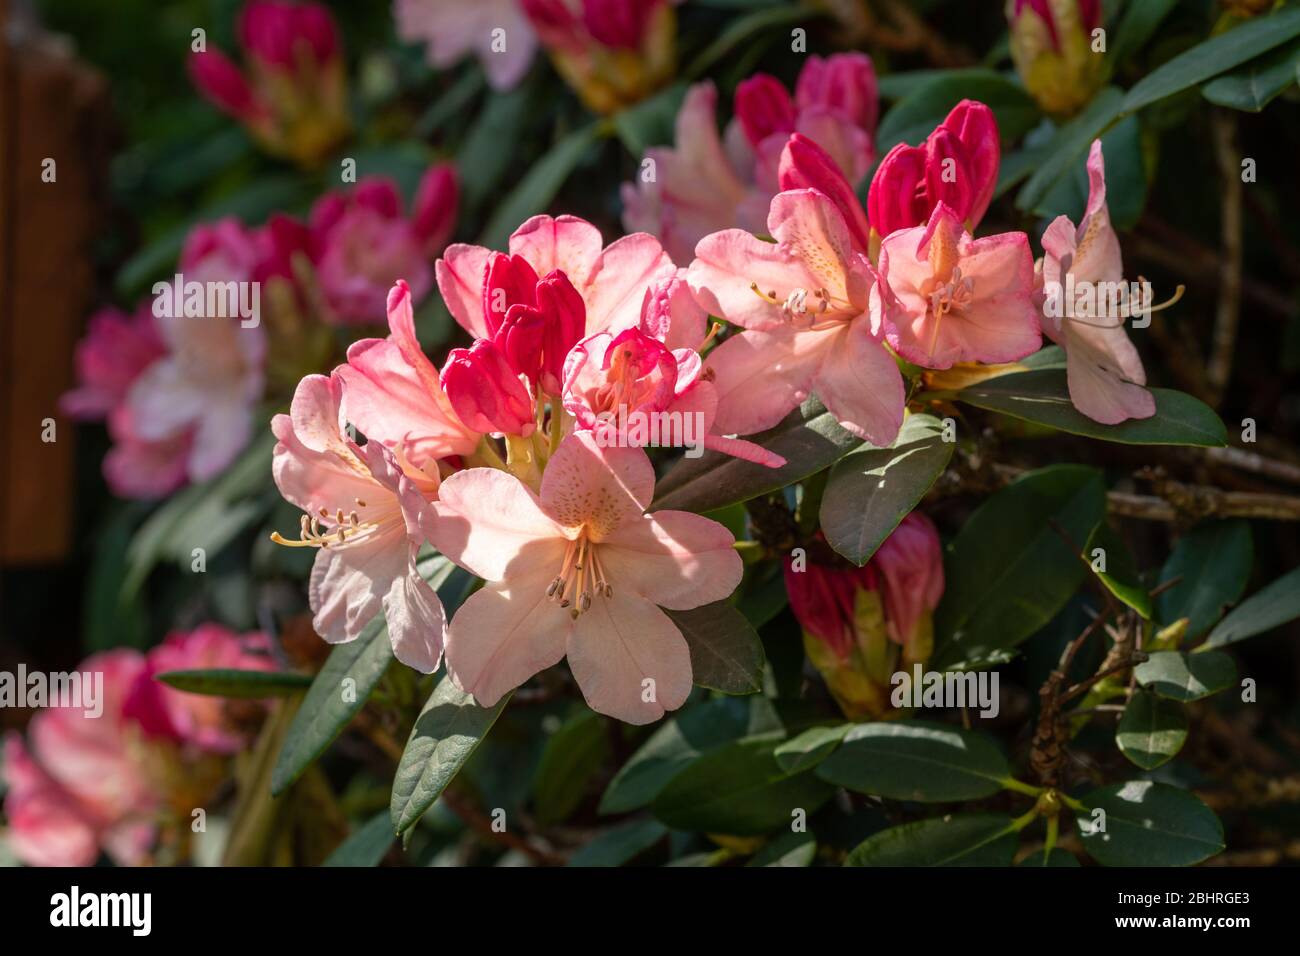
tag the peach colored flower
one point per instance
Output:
(579, 571)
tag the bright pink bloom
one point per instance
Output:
(486, 391)
(1104, 370)
(196, 719)
(288, 36)
(367, 509)
(114, 351)
(217, 77)
(137, 468)
(452, 29)
(363, 243)
(805, 165)
(537, 338)
(394, 394)
(671, 314)
(804, 302)
(611, 279)
(619, 24)
(83, 785)
(210, 380)
(910, 562)
(946, 298)
(703, 186)
(581, 571)
(957, 165)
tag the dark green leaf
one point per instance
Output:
(741, 29)
(1213, 561)
(1042, 396)
(961, 840)
(485, 155)
(1253, 86)
(872, 489)
(1136, 26)
(448, 730)
(619, 844)
(1264, 610)
(1009, 570)
(1215, 56)
(572, 755)
(1178, 675)
(231, 682)
(789, 849)
(1111, 561)
(366, 845)
(916, 115)
(739, 789)
(916, 760)
(1151, 730)
(726, 653)
(1058, 857)
(1148, 824)
(650, 122)
(809, 439)
(810, 748)
(1070, 146)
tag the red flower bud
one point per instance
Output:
(508, 280)
(436, 202)
(764, 107)
(281, 35)
(565, 313)
(485, 391)
(845, 84)
(805, 165)
(896, 199)
(222, 84)
(618, 23)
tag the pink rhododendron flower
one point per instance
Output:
(804, 302)
(199, 720)
(394, 393)
(363, 243)
(610, 279)
(579, 571)
(293, 95)
(956, 165)
(946, 298)
(116, 348)
(1104, 370)
(702, 186)
(82, 786)
(452, 29)
(861, 624)
(367, 510)
(137, 468)
(211, 377)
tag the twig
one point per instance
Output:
(473, 818)
(1224, 129)
(1255, 464)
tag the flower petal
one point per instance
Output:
(417, 625)
(760, 376)
(860, 384)
(675, 559)
(587, 485)
(567, 243)
(460, 280)
(485, 517)
(616, 286)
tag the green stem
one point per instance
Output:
(1018, 786)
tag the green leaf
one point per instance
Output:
(1254, 85)
(916, 115)
(961, 840)
(1057, 857)
(809, 439)
(1216, 55)
(871, 490)
(485, 155)
(1213, 561)
(672, 748)
(740, 30)
(1042, 396)
(572, 755)
(450, 102)
(1120, 575)
(365, 846)
(342, 688)
(739, 789)
(1009, 571)
(619, 844)
(1149, 824)
(1178, 675)
(1070, 146)
(726, 654)
(535, 191)
(916, 760)
(1264, 610)
(448, 730)
(810, 748)
(650, 122)
(789, 849)
(232, 682)
(1151, 730)
(1137, 25)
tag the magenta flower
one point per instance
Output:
(1103, 368)
(114, 351)
(83, 785)
(579, 571)
(453, 29)
(702, 185)
(610, 279)
(366, 508)
(363, 243)
(804, 303)
(945, 297)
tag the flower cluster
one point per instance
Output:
(82, 783)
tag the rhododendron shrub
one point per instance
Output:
(687, 433)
